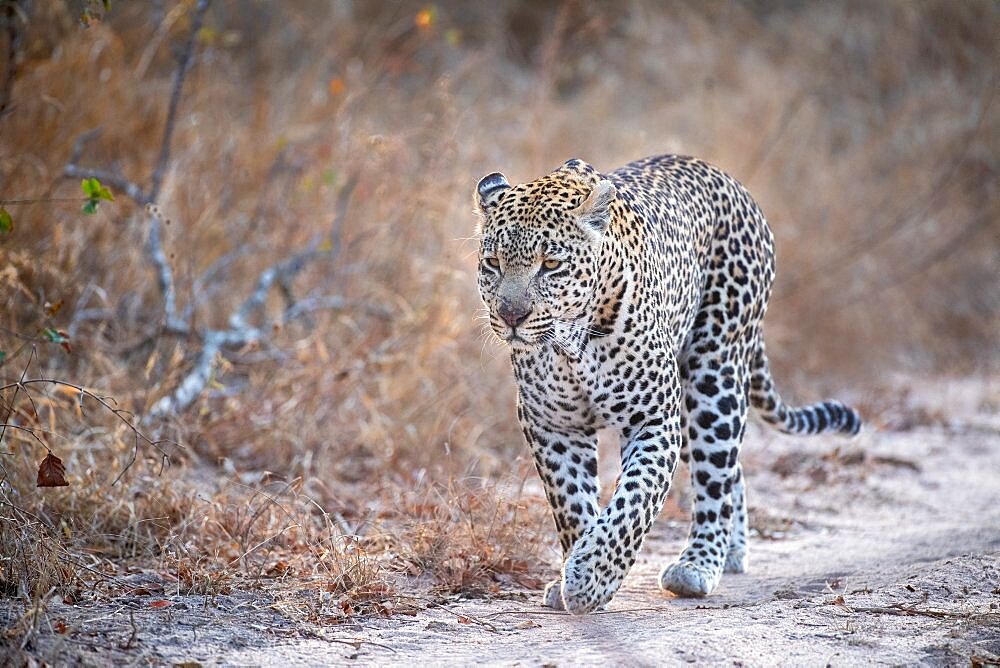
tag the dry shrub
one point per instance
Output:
(469, 538)
(867, 132)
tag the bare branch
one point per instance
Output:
(205, 285)
(183, 65)
(240, 332)
(117, 181)
(286, 271)
(340, 214)
(201, 372)
(332, 303)
(164, 274)
(283, 271)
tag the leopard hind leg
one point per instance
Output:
(716, 403)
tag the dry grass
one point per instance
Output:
(868, 133)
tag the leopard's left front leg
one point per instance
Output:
(566, 461)
(604, 553)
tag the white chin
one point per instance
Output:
(515, 341)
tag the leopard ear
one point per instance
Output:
(490, 188)
(594, 214)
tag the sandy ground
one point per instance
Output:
(881, 550)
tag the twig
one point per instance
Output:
(17, 388)
(356, 644)
(117, 412)
(563, 613)
(904, 611)
(460, 615)
(27, 430)
(73, 169)
(135, 631)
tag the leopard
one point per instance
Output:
(632, 303)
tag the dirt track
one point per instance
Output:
(892, 557)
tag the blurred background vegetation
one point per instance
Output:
(867, 131)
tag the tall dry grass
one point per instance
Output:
(352, 445)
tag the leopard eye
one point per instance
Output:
(492, 262)
(551, 265)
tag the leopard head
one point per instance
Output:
(540, 250)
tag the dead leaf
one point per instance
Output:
(59, 626)
(160, 604)
(462, 619)
(528, 624)
(51, 472)
(839, 600)
(279, 568)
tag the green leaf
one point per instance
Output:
(6, 222)
(3, 356)
(91, 187)
(90, 207)
(104, 193)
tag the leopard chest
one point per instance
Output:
(611, 382)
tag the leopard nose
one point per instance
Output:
(514, 313)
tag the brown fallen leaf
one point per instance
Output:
(160, 604)
(528, 624)
(51, 472)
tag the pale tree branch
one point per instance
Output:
(148, 198)
(240, 332)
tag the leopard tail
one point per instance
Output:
(824, 416)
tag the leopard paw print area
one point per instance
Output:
(633, 301)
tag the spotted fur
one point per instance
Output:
(633, 300)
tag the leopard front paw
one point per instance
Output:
(686, 578)
(582, 590)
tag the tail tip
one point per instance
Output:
(850, 422)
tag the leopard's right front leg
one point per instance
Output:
(566, 461)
